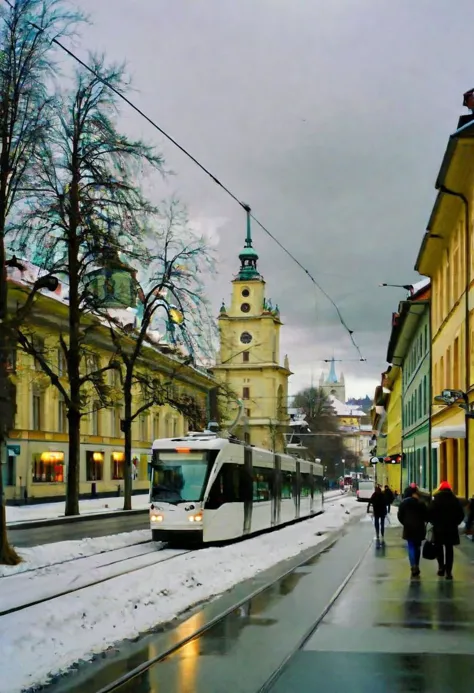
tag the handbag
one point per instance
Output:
(429, 547)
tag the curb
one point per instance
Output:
(50, 522)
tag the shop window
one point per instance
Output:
(94, 466)
(117, 466)
(48, 468)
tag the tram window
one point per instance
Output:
(230, 486)
(262, 483)
(305, 486)
(288, 482)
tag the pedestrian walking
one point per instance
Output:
(445, 514)
(378, 503)
(389, 498)
(412, 515)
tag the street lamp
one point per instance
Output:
(408, 287)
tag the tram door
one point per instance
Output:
(248, 500)
(311, 485)
(297, 490)
(276, 492)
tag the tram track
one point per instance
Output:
(123, 682)
(94, 581)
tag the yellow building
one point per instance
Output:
(387, 428)
(249, 357)
(446, 256)
(38, 443)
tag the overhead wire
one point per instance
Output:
(205, 170)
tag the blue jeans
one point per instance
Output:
(379, 523)
(414, 552)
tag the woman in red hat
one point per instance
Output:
(445, 514)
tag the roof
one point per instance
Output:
(404, 326)
(343, 409)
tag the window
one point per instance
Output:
(456, 364)
(233, 484)
(116, 416)
(143, 433)
(117, 466)
(95, 419)
(92, 363)
(246, 393)
(179, 476)
(420, 401)
(39, 346)
(156, 426)
(94, 465)
(442, 376)
(247, 413)
(11, 361)
(288, 484)
(262, 483)
(62, 363)
(37, 418)
(425, 395)
(48, 468)
(426, 340)
(246, 357)
(175, 427)
(306, 489)
(449, 375)
(62, 415)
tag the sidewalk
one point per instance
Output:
(387, 633)
(48, 511)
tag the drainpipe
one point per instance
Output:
(467, 336)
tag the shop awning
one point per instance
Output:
(443, 432)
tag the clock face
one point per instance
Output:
(245, 307)
(245, 337)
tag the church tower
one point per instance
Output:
(332, 385)
(249, 358)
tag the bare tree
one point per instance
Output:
(170, 296)
(26, 65)
(90, 208)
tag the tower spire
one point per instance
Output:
(332, 377)
(248, 256)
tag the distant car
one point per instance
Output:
(365, 491)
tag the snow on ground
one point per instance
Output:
(50, 554)
(74, 627)
(47, 511)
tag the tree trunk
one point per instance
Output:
(127, 429)
(74, 462)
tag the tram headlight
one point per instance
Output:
(157, 518)
(195, 518)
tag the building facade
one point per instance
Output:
(446, 256)
(35, 466)
(410, 349)
(249, 358)
(386, 415)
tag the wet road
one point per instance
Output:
(98, 527)
(383, 633)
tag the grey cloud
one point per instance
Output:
(329, 118)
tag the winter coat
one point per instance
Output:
(413, 514)
(379, 504)
(445, 514)
(389, 497)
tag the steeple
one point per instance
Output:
(248, 256)
(332, 377)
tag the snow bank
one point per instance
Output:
(51, 554)
(77, 626)
(47, 511)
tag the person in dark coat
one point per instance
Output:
(378, 503)
(413, 514)
(389, 498)
(445, 514)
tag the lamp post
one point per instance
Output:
(408, 287)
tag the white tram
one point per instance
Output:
(209, 489)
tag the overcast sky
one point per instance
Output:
(329, 117)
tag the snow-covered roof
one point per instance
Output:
(345, 409)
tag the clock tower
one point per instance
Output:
(249, 357)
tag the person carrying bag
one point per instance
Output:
(412, 514)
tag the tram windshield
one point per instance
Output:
(178, 477)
